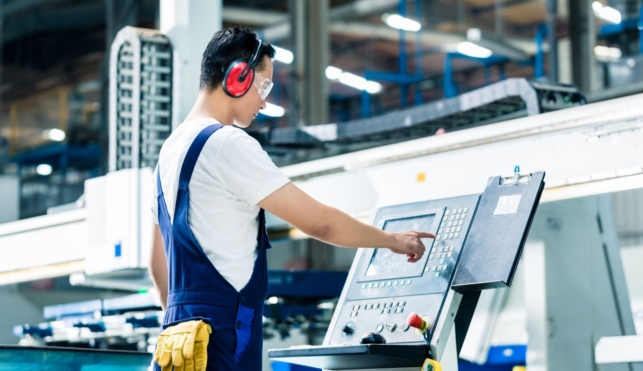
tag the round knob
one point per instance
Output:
(348, 330)
(372, 338)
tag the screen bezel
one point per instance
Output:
(381, 220)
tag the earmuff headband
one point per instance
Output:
(252, 62)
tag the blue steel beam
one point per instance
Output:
(450, 88)
(396, 78)
(418, 52)
(402, 56)
(641, 29)
(539, 69)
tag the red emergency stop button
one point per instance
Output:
(415, 321)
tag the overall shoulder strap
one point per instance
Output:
(193, 154)
(159, 187)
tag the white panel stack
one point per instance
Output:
(140, 100)
(119, 222)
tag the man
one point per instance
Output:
(212, 185)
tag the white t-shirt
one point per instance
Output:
(233, 174)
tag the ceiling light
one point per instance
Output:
(360, 83)
(604, 51)
(273, 110)
(474, 34)
(473, 50)
(54, 134)
(282, 55)
(373, 87)
(333, 73)
(401, 23)
(606, 13)
(43, 169)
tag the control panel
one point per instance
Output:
(395, 314)
(385, 289)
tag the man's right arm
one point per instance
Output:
(335, 227)
(158, 266)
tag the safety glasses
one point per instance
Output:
(263, 85)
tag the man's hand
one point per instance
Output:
(410, 243)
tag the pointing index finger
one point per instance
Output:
(425, 235)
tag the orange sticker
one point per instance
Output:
(421, 177)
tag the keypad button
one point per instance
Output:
(435, 268)
(450, 235)
(444, 267)
(364, 286)
(438, 237)
(458, 229)
(377, 306)
(465, 209)
(408, 282)
(441, 261)
(447, 212)
(449, 255)
(437, 274)
(388, 311)
(383, 312)
(459, 211)
(452, 217)
(399, 310)
(388, 284)
(376, 285)
(353, 314)
(394, 283)
(449, 224)
(355, 307)
(403, 303)
(457, 235)
(370, 285)
(461, 222)
(431, 256)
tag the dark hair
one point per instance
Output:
(227, 46)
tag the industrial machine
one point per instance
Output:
(395, 314)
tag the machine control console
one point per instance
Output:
(393, 313)
(385, 289)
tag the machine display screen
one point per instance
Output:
(384, 261)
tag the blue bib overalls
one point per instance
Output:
(198, 291)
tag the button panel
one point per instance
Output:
(385, 284)
(375, 305)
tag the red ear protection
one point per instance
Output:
(235, 84)
(241, 74)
